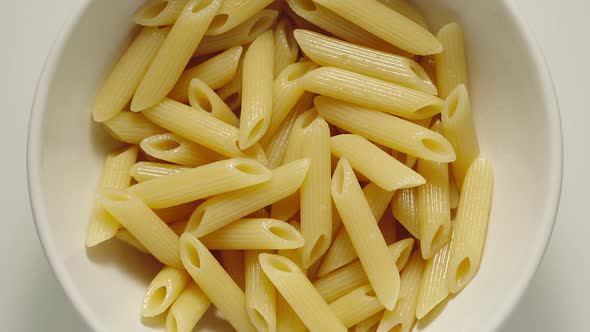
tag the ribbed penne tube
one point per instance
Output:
(174, 54)
(119, 86)
(298, 291)
(115, 175)
(356, 306)
(200, 95)
(286, 92)
(459, 128)
(234, 12)
(229, 207)
(164, 289)
(125, 236)
(130, 127)
(286, 49)
(451, 63)
(370, 324)
(276, 148)
(328, 51)
(159, 12)
(386, 24)
(201, 128)
(337, 283)
(175, 149)
(147, 170)
(434, 287)
(404, 207)
(386, 130)
(341, 251)
(234, 264)
(243, 34)
(254, 234)
(471, 224)
(383, 170)
(260, 294)
(434, 209)
(295, 255)
(231, 93)
(143, 224)
(366, 238)
(316, 200)
(257, 90)
(208, 274)
(187, 310)
(371, 92)
(287, 319)
(408, 10)
(200, 182)
(215, 72)
(326, 19)
(404, 313)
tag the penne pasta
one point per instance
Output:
(356, 306)
(208, 274)
(286, 49)
(159, 12)
(164, 289)
(215, 73)
(143, 224)
(383, 170)
(404, 207)
(129, 127)
(120, 85)
(470, 224)
(200, 182)
(187, 310)
(287, 319)
(326, 19)
(341, 251)
(174, 54)
(332, 52)
(115, 175)
(315, 197)
(361, 226)
(386, 24)
(233, 263)
(202, 128)
(260, 294)
(175, 149)
(407, 9)
(459, 128)
(234, 12)
(337, 283)
(231, 93)
(257, 90)
(386, 130)
(451, 63)
(372, 93)
(243, 34)
(229, 207)
(403, 316)
(254, 234)
(147, 170)
(298, 291)
(201, 96)
(434, 287)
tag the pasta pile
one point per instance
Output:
(301, 165)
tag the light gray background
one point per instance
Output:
(31, 299)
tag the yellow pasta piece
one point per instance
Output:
(356, 306)
(434, 287)
(176, 51)
(386, 130)
(407, 9)
(451, 64)
(215, 72)
(159, 12)
(234, 12)
(373, 93)
(187, 310)
(328, 51)
(257, 90)
(164, 289)
(130, 127)
(125, 236)
(260, 294)
(175, 149)
(200, 95)
(471, 224)
(120, 85)
(287, 319)
(286, 49)
(404, 207)
(147, 170)
(231, 93)
(370, 324)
